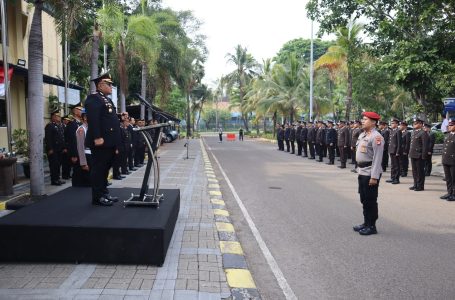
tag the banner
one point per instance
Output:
(2, 80)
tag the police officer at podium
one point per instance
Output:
(103, 138)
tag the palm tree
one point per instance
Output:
(342, 55)
(36, 101)
(240, 77)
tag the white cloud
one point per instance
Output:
(261, 26)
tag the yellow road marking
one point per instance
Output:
(221, 212)
(222, 226)
(240, 278)
(214, 186)
(231, 247)
(215, 193)
(217, 201)
(2, 205)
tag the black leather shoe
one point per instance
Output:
(61, 182)
(357, 228)
(117, 178)
(412, 188)
(133, 169)
(396, 182)
(126, 173)
(102, 202)
(57, 183)
(389, 180)
(311, 158)
(342, 167)
(111, 198)
(451, 198)
(368, 230)
(418, 189)
(319, 160)
(445, 197)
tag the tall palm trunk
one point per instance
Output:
(94, 57)
(244, 116)
(265, 124)
(122, 75)
(274, 123)
(349, 95)
(35, 103)
(143, 87)
(199, 114)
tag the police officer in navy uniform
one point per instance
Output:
(311, 138)
(71, 144)
(331, 141)
(369, 151)
(448, 161)
(394, 151)
(430, 148)
(343, 139)
(103, 138)
(405, 146)
(418, 154)
(298, 131)
(65, 158)
(55, 143)
(304, 139)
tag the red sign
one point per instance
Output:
(2, 74)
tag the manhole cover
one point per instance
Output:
(274, 188)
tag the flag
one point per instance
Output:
(2, 80)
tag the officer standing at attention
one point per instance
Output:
(385, 132)
(292, 137)
(298, 131)
(55, 143)
(370, 148)
(418, 153)
(241, 134)
(304, 139)
(320, 136)
(394, 152)
(343, 143)
(71, 143)
(331, 141)
(355, 133)
(405, 146)
(430, 148)
(280, 137)
(448, 161)
(103, 138)
(287, 134)
(311, 139)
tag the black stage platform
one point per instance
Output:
(66, 227)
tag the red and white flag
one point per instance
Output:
(2, 80)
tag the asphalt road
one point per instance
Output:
(304, 212)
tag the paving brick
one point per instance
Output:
(192, 284)
(147, 284)
(135, 284)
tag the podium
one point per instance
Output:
(152, 135)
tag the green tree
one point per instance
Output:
(302, 49)
(342, 56)
(245, 69)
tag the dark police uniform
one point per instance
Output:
(298, 139)
(287, 134)
(355, 133)
(428, 161)
(404, 157)
(418, 153)
(343, 145)
(292, 139)
(102, 123)
(67, 164)
(385, 157)
(394, 151)
(311, 140)
(320, 139)
(55, 142)
(280, 137)
(71, 146)
(331, 141)
(370, 148)
(304, 139)
(448, 163)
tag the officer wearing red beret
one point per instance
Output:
(369, 152)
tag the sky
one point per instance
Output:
(259, 25)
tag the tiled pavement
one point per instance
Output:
(193, 268)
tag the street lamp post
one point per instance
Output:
(311, 74)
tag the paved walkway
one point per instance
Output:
(193, 268)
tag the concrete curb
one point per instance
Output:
(239, 277)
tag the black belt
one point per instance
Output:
(364, 164)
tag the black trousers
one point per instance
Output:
(353, 160)
(449, 173)
(220, 135)
(102, 160)
(292, 147)
(395, 167)
(305, 148)
(343, 155)
(418, 172)
(81, 178)
(66, 165)
(318, 149)
(404, 165)
(281, 145)
(131, 157)
(428, 165)
(299, 147)
(287, 146)
(385, 160)
(311, 146)
(240, 137)
(139, 155)
(331, 151)
(369, 200)
(55, 162)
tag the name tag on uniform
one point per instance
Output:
(363, 148)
